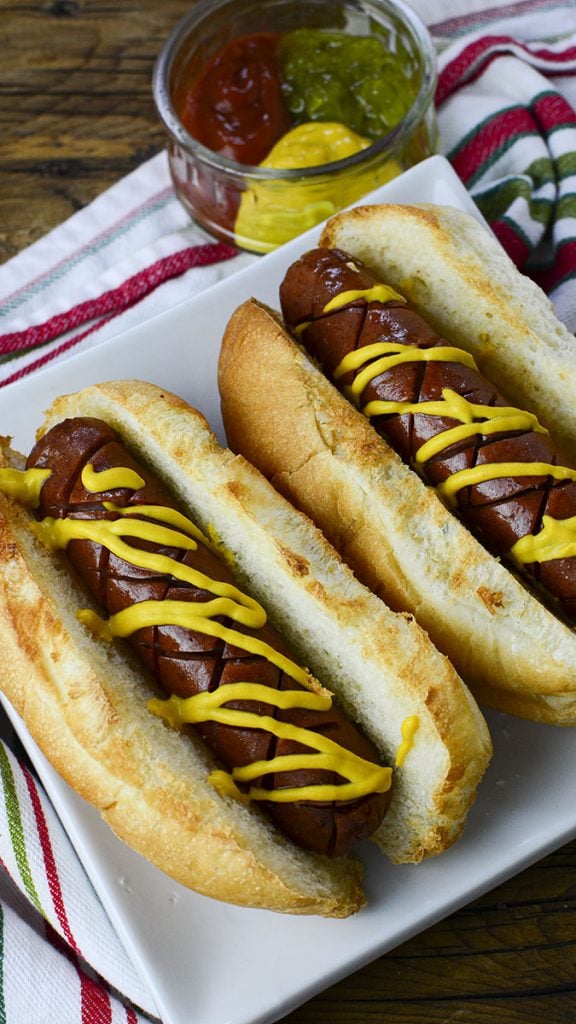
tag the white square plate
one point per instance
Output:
(208, 963)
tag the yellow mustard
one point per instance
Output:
(272, 212)
(409, 729)
(392, 354)
(379, 293)
(170, 528)
(555, 539)
(495, 470)
(329, 756)
(110, 479)
(475, 419)
(24, 486)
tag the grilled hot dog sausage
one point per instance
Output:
(493, 463)
(208, 646)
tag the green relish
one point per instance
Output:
(331, 76)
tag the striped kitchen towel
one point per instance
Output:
(129, 255)
(60, 959)
(506, 100)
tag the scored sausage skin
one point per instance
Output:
(499, 511)
(185, 662)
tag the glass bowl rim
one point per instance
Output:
(388, 143)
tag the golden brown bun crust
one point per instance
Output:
(282, 414)
(85, 706)
(380, 665)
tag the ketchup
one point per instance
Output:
(235, 106)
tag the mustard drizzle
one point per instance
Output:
(393, 353)
(474, 419)
(299, 329)
(379, 293)
(163, 514)
(330, 756)
(363, 776)
(23, 485)
(555, 539)
(410, 727)
(372, 360)
(96, 481)
(495, 470)
(194, 615)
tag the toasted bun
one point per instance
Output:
(318, 450)
(84, 704)
(381, 665)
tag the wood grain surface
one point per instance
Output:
(75, 115)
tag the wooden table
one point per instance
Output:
(76, 114)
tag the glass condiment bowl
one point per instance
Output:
(258, 208)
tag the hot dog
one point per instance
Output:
(417, 284)
(179, 567)
(494, 463)
(98, 479)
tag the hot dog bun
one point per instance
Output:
(323, 454)
(86, 706)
